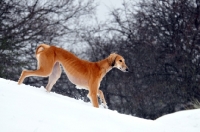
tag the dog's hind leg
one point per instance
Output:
(100, 94)
(55, 75)
(40, 72)
(45, 65)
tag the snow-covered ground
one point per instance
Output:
(27, 109)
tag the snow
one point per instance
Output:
(28, 109)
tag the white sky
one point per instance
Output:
(105, 6)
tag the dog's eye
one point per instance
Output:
(120, 60)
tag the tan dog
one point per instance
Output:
(82, 73)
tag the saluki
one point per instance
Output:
(82, 73)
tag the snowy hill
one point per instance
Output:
(27, 109)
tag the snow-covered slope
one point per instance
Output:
(27, 109)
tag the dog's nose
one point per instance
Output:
(126, 69)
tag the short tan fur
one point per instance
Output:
(82, 73)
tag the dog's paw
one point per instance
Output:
(105, 106)
(19, 81)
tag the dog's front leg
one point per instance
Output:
(93, 98)
(93, 94)
(100, 94)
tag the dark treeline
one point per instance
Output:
(160, 40)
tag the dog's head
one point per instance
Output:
(118, 62)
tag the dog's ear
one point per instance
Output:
(112, 58)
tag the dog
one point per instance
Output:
(82, 73)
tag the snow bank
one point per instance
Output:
(28, 109)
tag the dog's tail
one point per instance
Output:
(40, 48)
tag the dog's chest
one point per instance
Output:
(79, 81)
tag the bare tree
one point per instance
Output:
(24, 24)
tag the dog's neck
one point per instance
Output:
(105, 65)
